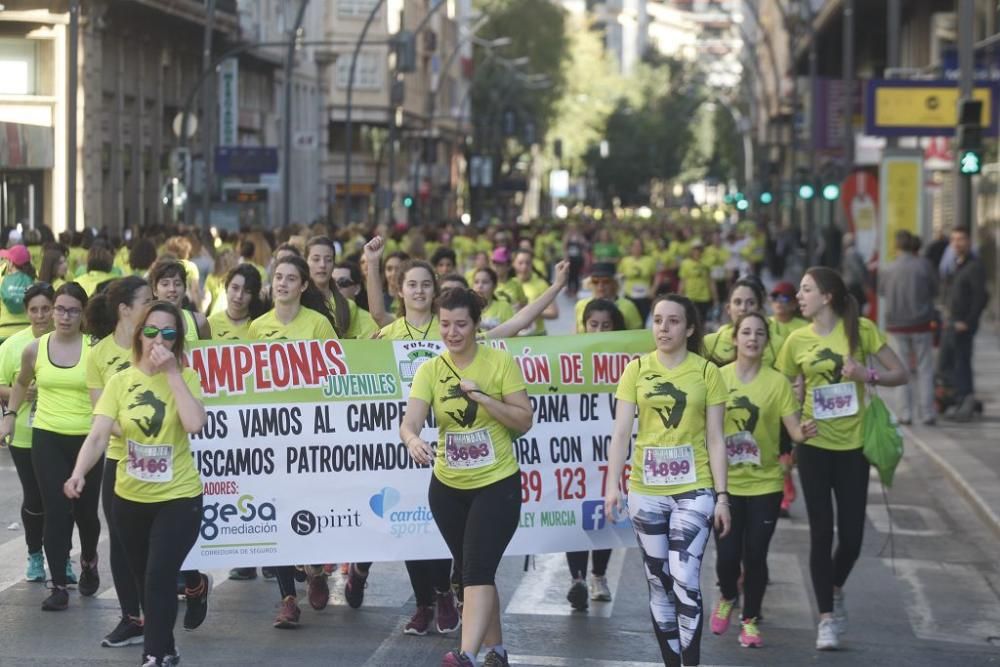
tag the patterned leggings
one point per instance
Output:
(673, 532)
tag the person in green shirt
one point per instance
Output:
(351, 321)
(243, 305)
(533, 285)
(604, 285)
(508, 286)
(745, 296)
(696, 282)
(605, 249)
(830, 358)
(638, 269)
(158, 493)
(480, 401)
(495, 311)
(760, 401)
(786, 317)
(100, 268)
(18, 275)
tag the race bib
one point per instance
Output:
(668, 466)
(465, 451)
(742, 448)
(150, 463)
(835, 400)
(639, 291)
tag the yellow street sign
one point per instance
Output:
(924, 107)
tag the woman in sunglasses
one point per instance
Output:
(38, 301)
(350, 282)
(157, 501)
(57, 364)
(350, 321)
(113, 316)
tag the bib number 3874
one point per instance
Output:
(741, 447)
(835, 400)
(668, 466)
(150, 463)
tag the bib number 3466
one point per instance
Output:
(150, 463)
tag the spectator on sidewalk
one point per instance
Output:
(854, 271)
(966, 300)
(908, 286)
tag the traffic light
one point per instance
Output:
(806, 191)
(766, 198)
(831, 192)
(742, 204)
(970, 163)
(405, 43)
(969, 137)
(408, 201)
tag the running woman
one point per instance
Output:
(300, 312)
(168, 278)
(679, 470)
(760, 401)
(57, 363)
(243, 305)
(496, 311)
(600, 315)
(479, 399)
(351, 321)
(831, 356)
(38, 301)
(746, 296)
(157, 502)
(113, 317)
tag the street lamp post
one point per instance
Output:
(71, 112)
(286, 173)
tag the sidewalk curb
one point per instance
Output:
(972, 496)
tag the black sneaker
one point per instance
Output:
(243, 574)
(90, 579)
(197, 604)
(169, 660)
(578, 595)
(57, 601)
(128, 632)
(354, 589)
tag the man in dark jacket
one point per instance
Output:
(966, 301)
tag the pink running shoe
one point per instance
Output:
(720, 616)
(749, 634)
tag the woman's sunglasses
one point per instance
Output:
(169, 334)
(344, 283)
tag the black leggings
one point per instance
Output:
(32, 509)
(125, 586)
(845, 474)
(477, 524)
(578, 562)
(54, 456)
(427, 577)
(753, 522)
(156, 538)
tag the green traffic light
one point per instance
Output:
(970, 163)
(806, 191)
(831, 192)
(766, 198)
(408, 201)
(742, 204)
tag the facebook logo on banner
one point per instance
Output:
(593, 515)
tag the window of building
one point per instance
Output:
(18, 67)
(367, 72)
(355, 8)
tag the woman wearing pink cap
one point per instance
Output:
(18, 274)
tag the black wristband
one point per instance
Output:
(721, 493)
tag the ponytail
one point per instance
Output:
(102, 308)
(843, 304)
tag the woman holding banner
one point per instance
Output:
(679, 469)
(157, 503)
(760, 401)
(300, 312)
(479, 399)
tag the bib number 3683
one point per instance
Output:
(150, 463)
(835, 400)
(668, 466)
(469, 450)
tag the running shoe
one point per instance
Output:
(826, 635)
(268, 573)
(169, 660)
(317, 588)
(578, 594)
(420, 622)
(599, 590)
(58, 600)
(90, 579)
(70, 574)
(456, 659)
(446, 617)
(354, 589)
(840, 611)
(197, 603)
(243, 574)
(127, 632)
(36, 567)
(749, 634)
(720, 616)
(288, 614)
(494, 659)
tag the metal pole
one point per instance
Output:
(207, 99)
(966, 34)
(848, 78)
(350, 101)
(813, 122)
(286, 173)
(71, 112)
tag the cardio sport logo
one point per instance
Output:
(402, 522)
(245, 517)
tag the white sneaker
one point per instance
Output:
(826, 635)
(599, 589)
(840, 611)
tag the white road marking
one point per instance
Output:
(542, 590)
(555, 661)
